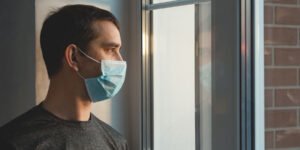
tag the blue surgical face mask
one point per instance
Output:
(109, 82)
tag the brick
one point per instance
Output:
(287, 97)
(287, 138)
(281, 1)
(287, 15)
(281, 118)
(280, 36)
(269, 142)
(280, 77)
(268, 56)
(269, 98)
(268, 14)
(287, 56)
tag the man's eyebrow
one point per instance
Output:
(111, 44)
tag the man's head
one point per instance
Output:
(79, 27)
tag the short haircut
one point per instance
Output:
(71, 24)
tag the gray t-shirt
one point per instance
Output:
(38, 129)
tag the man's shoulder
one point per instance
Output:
(17, 125)
(112, 133)
(26, 129)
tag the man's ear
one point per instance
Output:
(70, 56)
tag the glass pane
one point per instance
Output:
(205, 75)
(282, 65)
(174, 78)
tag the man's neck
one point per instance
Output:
(66, 103)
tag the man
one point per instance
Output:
(81, 48)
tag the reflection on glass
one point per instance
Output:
(174, 78)
(205, 75)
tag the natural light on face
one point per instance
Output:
(43, 7)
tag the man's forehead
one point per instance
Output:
(104, 27)
(107, 33)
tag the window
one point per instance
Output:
(195, 92)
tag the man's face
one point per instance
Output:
(105, 47)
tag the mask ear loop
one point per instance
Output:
(86, 55)
(81, 76)
(77, 70)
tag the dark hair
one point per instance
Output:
(71, 24)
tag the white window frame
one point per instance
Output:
(259, 75)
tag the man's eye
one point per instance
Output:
(109, 50)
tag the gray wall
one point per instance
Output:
(17, 62)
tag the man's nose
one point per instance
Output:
(119, 57)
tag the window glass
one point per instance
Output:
(174, 78)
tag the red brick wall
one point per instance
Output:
(282, 77)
